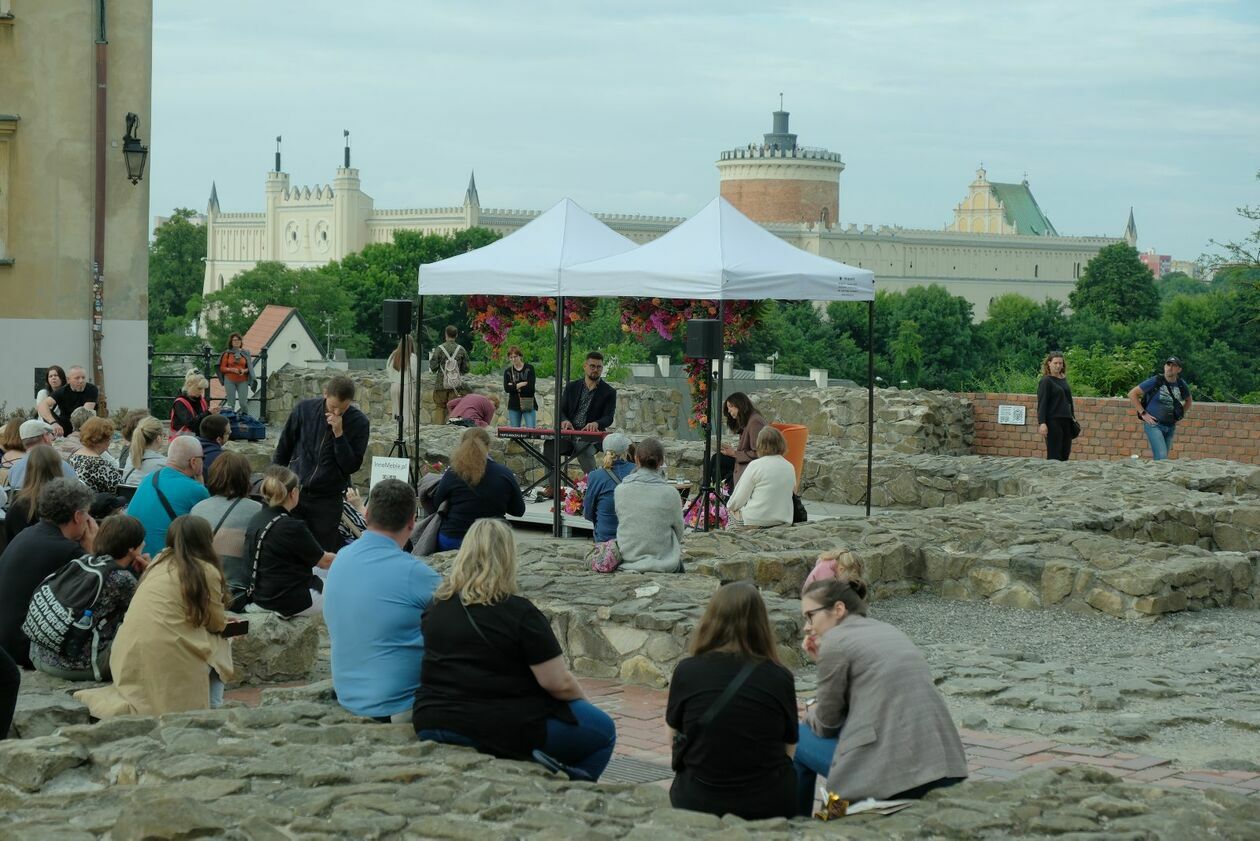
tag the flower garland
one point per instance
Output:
(664, 316)
(494, 315)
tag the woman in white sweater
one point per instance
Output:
(763, 495)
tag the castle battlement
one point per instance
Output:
(306, 194)
(426, 212)
(806, 153)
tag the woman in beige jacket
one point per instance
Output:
(170, 653)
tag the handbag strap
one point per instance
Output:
(475, 626)
(219, 524)
(717, 706)
(166, 503)
(253, 581)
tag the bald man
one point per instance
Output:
(76, 393)
(169, 493)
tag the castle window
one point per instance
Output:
(1035, 268)
(323, 235)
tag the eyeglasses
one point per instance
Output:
(809, 614)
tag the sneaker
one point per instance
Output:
(558, 767)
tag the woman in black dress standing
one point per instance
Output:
(1055, 414)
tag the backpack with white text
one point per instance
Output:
(61, 615)
(452, 379)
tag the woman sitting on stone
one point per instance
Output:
(42, 466)
(740, 762)
(92, 462)
(476, 488)
(283, 551)
(649, 515)
(170, 655)
(763, 495)
(12, 447)
(493, 675)
(743, 419)
(145, 454)
(120, 545)
(597, 502)
(127, 429)
(229, 511)
(879, 727)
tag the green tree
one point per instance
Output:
(907, 352)
(1097, 371)
(176, 274)
(945, 330)
(1019, 332)
(1179, 283)
(1116, 286)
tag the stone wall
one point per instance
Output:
(1110, 430)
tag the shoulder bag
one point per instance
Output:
(606, 556)
(684, 740)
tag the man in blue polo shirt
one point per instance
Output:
(373, 599)
(180, 484)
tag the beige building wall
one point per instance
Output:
(47, 187)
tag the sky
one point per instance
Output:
(625, 107)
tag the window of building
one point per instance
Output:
(1035, 268)
(8, 125)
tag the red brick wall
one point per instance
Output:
(783, 200)
(1111, 430)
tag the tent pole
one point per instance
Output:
(557, 502)
(415, 409)
(870, 396)
(716, 410)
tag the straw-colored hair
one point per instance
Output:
(278, 482)
(147, 432)
(770, 442)
(469, 459)
(848, 565)
(484, 571)
(193, 381)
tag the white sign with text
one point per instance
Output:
(386, 467)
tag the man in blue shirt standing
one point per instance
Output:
(1161, 401)
(373, 599)
(169, 493)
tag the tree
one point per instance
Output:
(1019, 332)
(1243, 253)
(1116, 286)
(176, 274)
(907, 351)
(943, 325)
(1179, 283)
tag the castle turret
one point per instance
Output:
(351, 209)
(779, 181)
(1130, 230)
(472, 204)
(210, 282)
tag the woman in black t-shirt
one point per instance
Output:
(493, 675)
(288, 552)
(741, 762)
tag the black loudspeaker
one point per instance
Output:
(704, 338)
(396, 316)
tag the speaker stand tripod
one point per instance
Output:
(399, 447)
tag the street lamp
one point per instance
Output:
(135, 153)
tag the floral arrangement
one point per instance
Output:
(664, 316)
(494, 315)
(719, 517)
(571, 499)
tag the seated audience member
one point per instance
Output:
(879, 727)
(128, 427)
(282, 552)
(472, 409)
(597, 502)
(743, 419)
(763, 494)
(43, 465)
(106, 505)
(649, 514)
(191, 406)
(373, 600)
(144, 454)
(54, 378)
(119, 545)
(229, 511)
(215, 432)
(494, 676)
(170, 654)
(740, 762)
(353, 514)
(840, 564)
(34, 433)
(65, 531)
(12, 448)
(59, 406)
(70, 444)
(170, 492)
(92, 462)
(10, 683)
(476, 487)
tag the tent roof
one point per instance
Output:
(720, 254)
(528, 261)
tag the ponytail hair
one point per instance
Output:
(278, 482)
(147, 431)
(852, 593)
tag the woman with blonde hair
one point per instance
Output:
(145, 453)
(494, 676)
(476, 487)
(91, 461)
(43, 464)
(763, 492)
(1056, 415)
(402, 366)
(734, 705)
(598, 505)
(191, 405)
(170, 654)
(283, 552)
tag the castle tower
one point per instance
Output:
(472, 204)
(779, 181)
(1130, 230)
(351, 209)
(209, 283)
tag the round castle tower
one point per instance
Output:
(779, 181)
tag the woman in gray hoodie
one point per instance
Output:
(649, 515)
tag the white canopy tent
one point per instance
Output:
(718, 255)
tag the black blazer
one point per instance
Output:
(603, 403)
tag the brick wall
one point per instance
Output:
(1111, 430)
(783, 200)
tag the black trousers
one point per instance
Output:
(10, 680)
(1059, 438)
(723, 470)
(322, 515)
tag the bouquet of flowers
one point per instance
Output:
(719, 517)
(571, 499)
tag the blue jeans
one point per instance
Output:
(813, 759)
(445, 542)
(526, 419)
(587, 745)
(1160, 436)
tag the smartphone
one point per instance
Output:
(235, 628)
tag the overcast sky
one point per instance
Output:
(625, 107)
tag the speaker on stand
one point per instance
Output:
(396, 320)
(704, 341)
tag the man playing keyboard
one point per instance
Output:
(587, 404)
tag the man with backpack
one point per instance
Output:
(449, 361)
(1161, 401)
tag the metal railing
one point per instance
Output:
(162, 369)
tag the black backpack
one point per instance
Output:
(62, 616)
